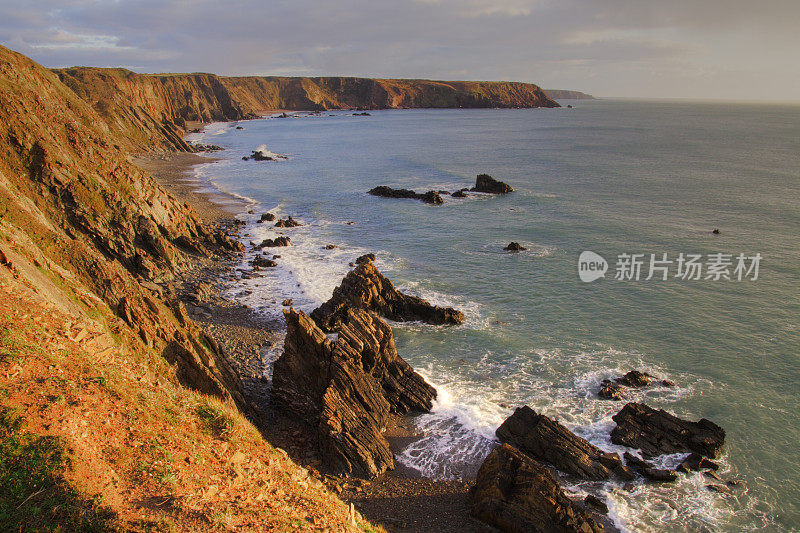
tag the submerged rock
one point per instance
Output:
(648, 471)
(430, 197)
(514, 493)
(459, 194)
(657, 432)
(548, 441)
(347, 389)
(636, 379)
(365, 287)
(261, 261)
(486, 183)
(611, 391)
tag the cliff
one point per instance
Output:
(108, 390)
(561, 94)
(151, 111)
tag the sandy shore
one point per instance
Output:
(399, 500)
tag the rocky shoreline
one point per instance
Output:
(340, 407)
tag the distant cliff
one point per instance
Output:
(561, 94)
(150, 111)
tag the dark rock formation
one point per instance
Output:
(611, 391)
(636, 379)
(514, 247)
(459, 194)
(287, 223)
(365, 287)
(261, 261)
(365, 258)
(514, 493)
(656, 432)
(347, 389)
(274, 243)
(486, 183)
(430, 197)
(548, 441)
(267, 217)
(697, 462)
(647, 470)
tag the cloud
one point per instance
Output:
(610, 47)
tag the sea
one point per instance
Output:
(641, 184)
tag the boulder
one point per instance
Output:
(548, 441)
(486, 183)
(514, 247)
(287, 223)
(657, 432)
(267, 217)
(365, 287)
(347, 389)
(636, 379)
(274, 243)
(430, 197)
(647, 470)
(459, 194)
(697, 462)
(514, 493)
(261, 261)
(611, 391)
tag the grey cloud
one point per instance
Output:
(612, 47)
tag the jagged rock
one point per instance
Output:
(697, 462)
(365, 258)
(636, 379)
(274, 243)
(267, 217)
(548, 441)
(287, 223)
(514, 493)
(514, 247)
(192, 245)
(261, 261)
(486, 183)
(287, 302)
(430, 197)
(459, 194)
(330, 246)
(611, 391)
(157, 244)
(593, 501)
(365, 287)
(347, 389)
(722, 489)
(657, 432)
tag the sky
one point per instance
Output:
(712, 49)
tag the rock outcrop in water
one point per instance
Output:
(657, 432)
(514, 493)
(430, 197)
(548, 441)
(486, 183)
(347, 389)
(365, 287)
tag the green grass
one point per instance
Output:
(34, 496)
(217, 421)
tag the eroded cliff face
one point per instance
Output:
(151, 111)
(74, 209)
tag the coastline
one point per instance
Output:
(399, 500)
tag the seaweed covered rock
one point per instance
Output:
(365, 287)
(486, 183)
(514, 493)
(548, 441)
(656, 432)
(347, 389)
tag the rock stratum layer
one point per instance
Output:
(72, 204)
(348, 389)
(151, 110)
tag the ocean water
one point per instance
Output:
(610, 176)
